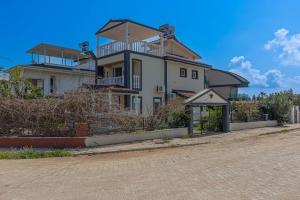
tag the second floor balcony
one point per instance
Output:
(119, 81)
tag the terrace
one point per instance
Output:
(120, 35)
(55, 55)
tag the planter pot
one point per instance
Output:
(81, 129)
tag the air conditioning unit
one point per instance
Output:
(160, 89)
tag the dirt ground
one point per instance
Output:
(262, 167)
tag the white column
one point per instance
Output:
(109, 100)
(126, 34)
(44, 55)
(136, 104)
(62, 57)
(161, 44)
(98, 44)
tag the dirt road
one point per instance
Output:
(266, 167)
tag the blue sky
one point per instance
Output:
(257, 39)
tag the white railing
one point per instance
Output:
(119, 80)
(136, 82)
(133, 45)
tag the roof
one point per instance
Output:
(47, 66)
(55, 51)
(184, 46)
(206, 97)
(239, 80)
(114, 88)
(114, 29)
(172, 37)
(187, 61)
(184, 93)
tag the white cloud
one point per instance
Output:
(270, 79)
(287, 46)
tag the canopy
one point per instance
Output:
(206, 97)
(56, 51)
(115, 30)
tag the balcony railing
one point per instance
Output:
(119, 80)
(133, 45)
(136, 82)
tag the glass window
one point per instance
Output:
(183, 72)
(137, 104)
(117, 72)
(194, 74)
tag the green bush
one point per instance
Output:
(278, 106)
(175, 119)
(32, 154)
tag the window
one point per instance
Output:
(194, 74)
(137, 104)
(136, 74)
(52, 84)
(183, 72)
(156, 104)
(117, 72)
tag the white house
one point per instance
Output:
(57, 69)
(144, 67)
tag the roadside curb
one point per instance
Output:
(170, 145)
(277, 132)
(138, 149)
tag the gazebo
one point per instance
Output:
(210, 109)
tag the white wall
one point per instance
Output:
(250, 125)
(152, 76)
(64, 81)
(181, 83)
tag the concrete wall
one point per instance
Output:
(101, 140)
(251, 125)
(64, 80)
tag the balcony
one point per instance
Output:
(133, 45)
(120, 35)
(119, 80)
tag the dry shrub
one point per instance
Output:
(56, 116)
(32, 117)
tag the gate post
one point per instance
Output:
(191, 123)
(225, 111)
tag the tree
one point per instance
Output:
(20, 87)
(278, 105)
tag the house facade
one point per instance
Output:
(57, 69)
(144, 67)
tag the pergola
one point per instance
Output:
(207, 97)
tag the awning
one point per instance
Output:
(115, 89)
(56, 51)
(184, 93)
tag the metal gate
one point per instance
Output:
(208, 119)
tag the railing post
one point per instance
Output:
(126, 35)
